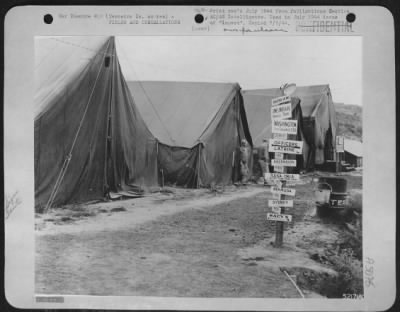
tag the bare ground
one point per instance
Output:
(192, 243)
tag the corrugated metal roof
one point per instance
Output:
(353, 147)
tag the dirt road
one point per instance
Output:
(197, 244)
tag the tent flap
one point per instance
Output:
(199, 126)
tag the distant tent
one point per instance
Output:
(90, 140)
(318, 120)
(258, 110)
(199, 127)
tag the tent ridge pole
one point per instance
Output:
(108, 133)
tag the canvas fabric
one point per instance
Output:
(93, 121)
(199, 127)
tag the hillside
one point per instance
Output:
(349, 119)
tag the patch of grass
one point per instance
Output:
(350, 273)
(347, 260)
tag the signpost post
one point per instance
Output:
(282, 127)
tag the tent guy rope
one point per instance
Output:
(69, 155)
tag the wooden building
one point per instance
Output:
(353, 153)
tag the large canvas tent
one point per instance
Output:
(90, 140)
(199, 127)
(318, 125)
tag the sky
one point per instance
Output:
(252, 61)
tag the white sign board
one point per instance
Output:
(278, 183)
(280, 203)
(279, 169)
(284, 162)
(340, 144)
(279, 136)
(276, 210)
(281, 100)
(285, 146)
(279, 217)
(279, 155)
(283, 191)
(276, 196)
(284, 126)
(281, 111)
(282, 176)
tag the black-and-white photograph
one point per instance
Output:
(199, 166)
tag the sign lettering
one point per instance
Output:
(284, 126)
(279, 217)
(284, 162)
(280, 203)
(281, 100)
(283, 191)
(282, 176)
(286, 146)
(282, 111)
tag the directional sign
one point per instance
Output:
(284, 162)
(285, 146)
(283, 191)
(276, 196)
(278, 183)
(281, 100)
(280, 203)
(279, 136)
(284, 126)
(280, 169)
(282, 176)
(282, 111)
(279, 155)
(279, 217)
(276, 210)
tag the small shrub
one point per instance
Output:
(350, 272)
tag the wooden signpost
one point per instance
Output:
(280, 203)
(279, 217)
(286, 146)
(282, 176)
(282, 127)
(284, 162)
(284, 191)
